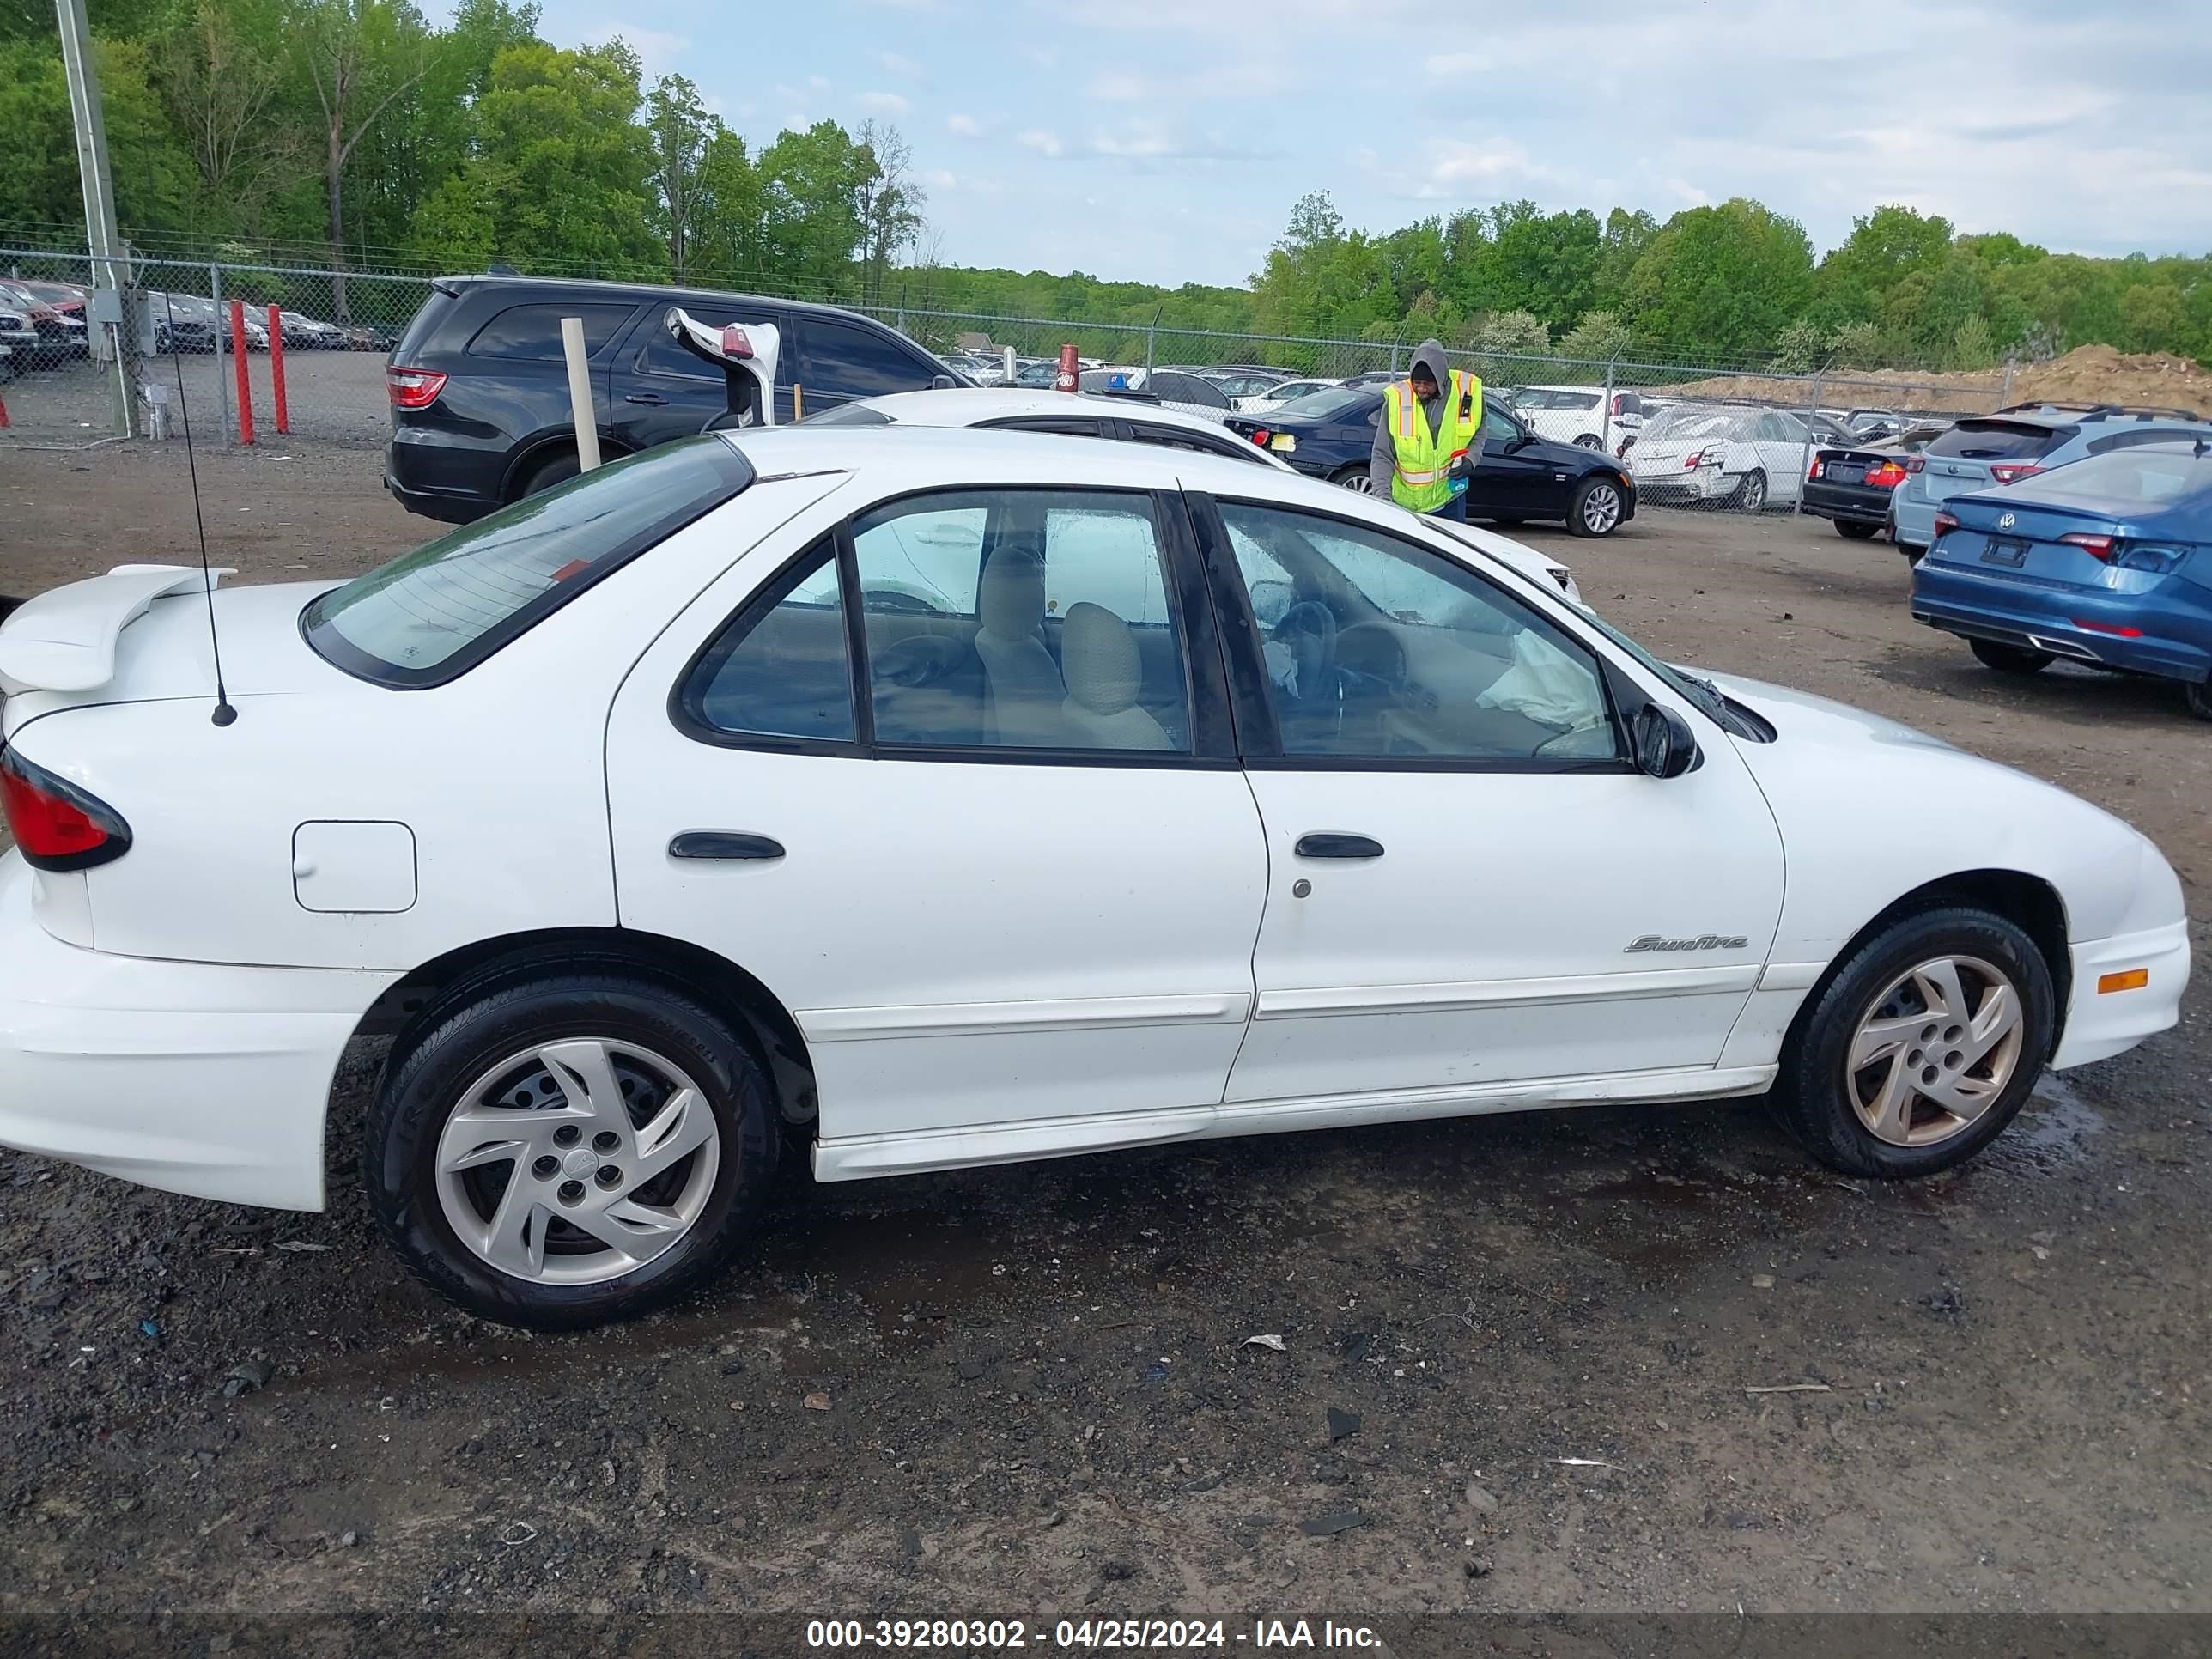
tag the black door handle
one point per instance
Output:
(643, 398)
(1339, 847)
(724, 845)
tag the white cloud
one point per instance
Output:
(899, 63)
(964, 126)
(884, 103)
(1452, 65)
(818, 82)
(658, 50)
(1038, 139)
(941, 180)
(1119, 87)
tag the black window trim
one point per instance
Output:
(1213, 745)
(1260, 739)
(341, 653)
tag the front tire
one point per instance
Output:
(2009, 658)
(1923, 1046)
(564, 1152)
(1595, 510)
(1353, 478)
(1852, 530)
(1589, 441)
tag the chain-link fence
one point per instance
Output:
(316, 341)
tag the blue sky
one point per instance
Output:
(1165, 140)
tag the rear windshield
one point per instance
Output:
(436, 613)
(1331, 402)
(851, 414)
(1999, 441)
(2124, 482)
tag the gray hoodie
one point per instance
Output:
(1382, 459)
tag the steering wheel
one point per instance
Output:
(1575, 730)
(1308, 630)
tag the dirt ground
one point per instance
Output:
(1551, 1328)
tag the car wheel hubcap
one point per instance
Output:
(1754, 495)
(1935, 1051)
(1360, 484)
(1601, 509)
(576, 1162)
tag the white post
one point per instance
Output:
(580, 393)
(1010, 366)
(110, 343)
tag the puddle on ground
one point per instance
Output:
(2055, 1129)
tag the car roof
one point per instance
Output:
(966, 406)
(894, 461)
(587, 285)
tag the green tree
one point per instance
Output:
(1971, 348)
(1884, 247)
(681, 129)
(2153, 317)
(150, 167)
(1599, 336)
(1723, 280)
(810, 185)
(890, 202)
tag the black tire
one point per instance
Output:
(1852, 530)
(1751, 494)
(1912, 554)
(2009, 658)
(1810, 1093)
(424, 1085)
(2198, 693)
(1354, 478)
(554, 470)
(1506, 520)
(1585, 516)
(1589, 441)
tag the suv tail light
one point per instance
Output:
(2096, 547)
(2007, 472)
(1945, 522)
(413, 388)
(58, 825)
(1914, 462)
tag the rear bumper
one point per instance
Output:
(198, 1078)
(1915, 520)
(1853, 506)
(1960, 600)
(2099, 1026)
(450, 476)
(1706, 484)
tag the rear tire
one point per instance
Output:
(554, 470)
(2198, 693)
(677, 1220)
(1827, 1104)
(2009, 658)
(1912, 554)
(1852, 530)
(1751, 494)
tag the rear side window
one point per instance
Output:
(434, 614)
(1999, 441)
(533, 332)
(844, 360)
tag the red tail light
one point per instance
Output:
(413, 388)
(58, 825)
(1814, 471)
(2096, 547)
(2114, 629)
(1945, 523)
(2007, 472)
(1887, 476)
(1915, 463)
(1260, 436)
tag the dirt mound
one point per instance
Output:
(2089, 374)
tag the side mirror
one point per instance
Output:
(1663, 744)
(1271, 601)
(942, 383)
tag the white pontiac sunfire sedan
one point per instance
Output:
(918, 799)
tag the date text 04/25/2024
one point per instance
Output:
(1091, 1635)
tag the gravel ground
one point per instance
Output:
(1550, 1328)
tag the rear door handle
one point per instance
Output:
(725, 846)
(1339, 847)
(643, 398)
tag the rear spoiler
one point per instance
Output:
(64, 639)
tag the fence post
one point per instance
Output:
(2004, 397)
(222, 391)
(276, 368)
(1805, 460)
(1152, 341)
(1611, 364)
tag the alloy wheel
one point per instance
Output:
(1600, 509)
(1357, 483)
(578, 1161)
(1935, 1051)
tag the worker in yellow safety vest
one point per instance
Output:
(1428, 437)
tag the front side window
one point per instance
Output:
(779, 670)
(435, 613)
(1377, 649)
(1047, 623)
(661, 355)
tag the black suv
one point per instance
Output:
(480, 393)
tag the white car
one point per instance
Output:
(1703, 454)
(1099, 416)
(1584, 415)
(662, 853)
(1288, 392)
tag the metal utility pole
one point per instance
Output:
(104, 310)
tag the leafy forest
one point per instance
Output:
(355, 133)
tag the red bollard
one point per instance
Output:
(1070, 366)
(276, 365)
(4, 411)
(238, 359)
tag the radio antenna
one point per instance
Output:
(224, 714)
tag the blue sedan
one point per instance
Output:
(2107, 562)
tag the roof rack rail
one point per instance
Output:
(2147, 412)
